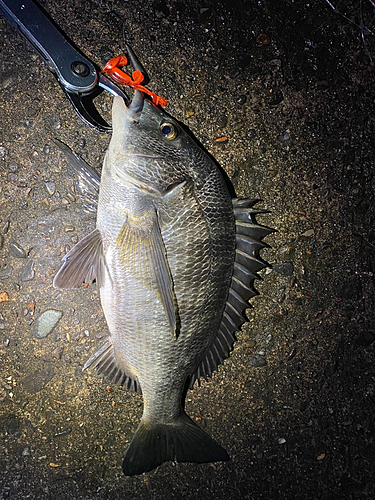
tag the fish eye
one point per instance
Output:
(168, 130)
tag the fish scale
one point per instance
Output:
(175, 260)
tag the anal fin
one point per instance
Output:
(103, 360)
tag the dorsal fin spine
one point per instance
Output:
(247, 264)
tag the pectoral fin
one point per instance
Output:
(143, 240)
(88, 178)
(84, 263)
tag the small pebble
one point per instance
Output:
(281, 440)
(46, 322)
(283, 137)
(238, 126)
(263, 39)
(4, 228)
(16, 250)
(347, 422)
(13, 167)
(286, 252)
(161, 10)
(46, 149)
(308, 233)
(5, 271)
(28, 272)
(275, 64)
(69, 229)
(257, 361)
(7, 82)
(57, 353)
(53, 122)
(12, 425)
(291, 354)
(51, 187)
(63, 433)
(276, 98)
(27, 123)
(189, 112)
(251, 133)
(13, 177)
(3, 151)
(222, 121)
(35, 381)
(241, 99)
(284, 268)
(366, 338)
(71, 197)
(234, 72)
(3, 394)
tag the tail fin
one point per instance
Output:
(180, 441)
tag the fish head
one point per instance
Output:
(149, 145)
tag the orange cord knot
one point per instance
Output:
(112, 68)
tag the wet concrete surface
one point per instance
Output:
(287, 87)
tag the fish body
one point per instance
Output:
(174, 259)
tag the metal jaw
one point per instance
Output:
(77, 76)
(85, 108)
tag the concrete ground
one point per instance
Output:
(281, 94)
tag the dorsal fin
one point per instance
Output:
(249, 235)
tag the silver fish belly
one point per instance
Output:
(175, 259)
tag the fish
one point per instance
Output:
(175, 259)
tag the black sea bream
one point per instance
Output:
(175, 259)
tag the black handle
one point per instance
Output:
(72, 69)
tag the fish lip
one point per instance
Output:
(135, 107)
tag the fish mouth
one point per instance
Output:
(122, 149)
(126, 116)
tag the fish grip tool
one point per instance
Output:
(77, 76)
